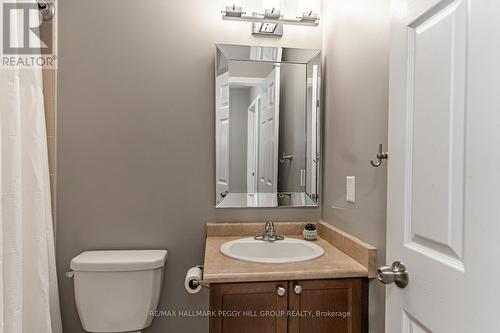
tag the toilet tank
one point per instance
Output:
(116, 291)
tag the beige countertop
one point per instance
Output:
(334, 263)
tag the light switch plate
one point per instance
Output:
(350, 189)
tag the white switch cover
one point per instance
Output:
(350, 189)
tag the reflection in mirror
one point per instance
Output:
(267, 127)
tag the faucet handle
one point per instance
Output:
(269, 233)
(269, 228)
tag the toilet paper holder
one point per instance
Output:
(196, 283)
(200, 282)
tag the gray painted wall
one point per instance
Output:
(292, 126)
(135, 136)
(356, 55)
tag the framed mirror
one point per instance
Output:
(267, 126)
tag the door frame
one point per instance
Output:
(253, 165)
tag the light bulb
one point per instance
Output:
(272, 8)
(308, 10)
(271, 4)
(307, 6)
(235, 3)
(234, 8)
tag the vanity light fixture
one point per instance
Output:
(233, 11)
(272, 14)
(270, 20)
(309, 16)
(306, 20)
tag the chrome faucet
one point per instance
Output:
(270, 234)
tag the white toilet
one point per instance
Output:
(115, 291)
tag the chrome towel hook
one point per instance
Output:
(380, 156)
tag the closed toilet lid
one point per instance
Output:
(118, 260)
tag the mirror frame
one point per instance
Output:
(246, 53)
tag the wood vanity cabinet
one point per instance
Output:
(307, 306)
(242, 305)
(339, 305)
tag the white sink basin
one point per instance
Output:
(278, 252)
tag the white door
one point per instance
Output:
(252, 135)
(222, 136)
(268, 133)
(444, 166)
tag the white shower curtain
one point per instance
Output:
(28, 285)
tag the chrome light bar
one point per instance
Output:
(235, 13)
(261, 18)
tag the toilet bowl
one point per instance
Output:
(117, 291)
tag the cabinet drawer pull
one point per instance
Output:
(281, 291)
(297, 289)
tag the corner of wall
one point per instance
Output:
(355, 44)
